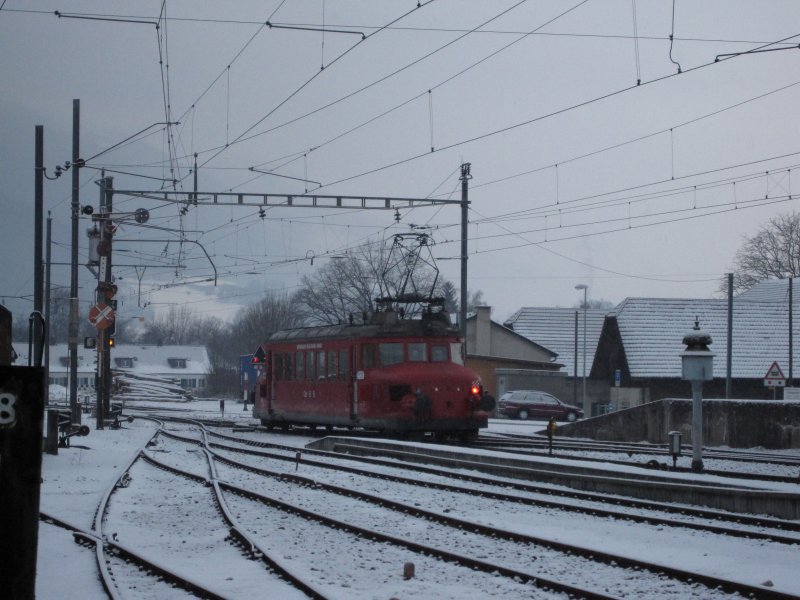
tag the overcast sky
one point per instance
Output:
(579, 175)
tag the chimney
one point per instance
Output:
(483, 330)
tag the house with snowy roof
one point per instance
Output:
(638, 353)
(571, 334)
(186, 365)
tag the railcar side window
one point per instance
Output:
(278, 367)
(367, 356)
(300, 367)
(321, 374)
(439, 353)
(343, 366)
(332, 365)
(418, 352)
(457, 353)
(289, 369)
(311, 373)
(391, 353)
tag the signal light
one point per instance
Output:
(111, 342)
(476, 390)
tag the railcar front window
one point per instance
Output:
(390, 353)
(457, 353)
(439, 353)
(418, 352)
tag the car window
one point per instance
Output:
(547, 399)
(533, 398)
(518, 396)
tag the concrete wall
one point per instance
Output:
(735, 423)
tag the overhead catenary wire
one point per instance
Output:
(305, 84)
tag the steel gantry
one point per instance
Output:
(260, 200)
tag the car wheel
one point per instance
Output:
(572, 417)
(522, 415)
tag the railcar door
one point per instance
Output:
(269, 377)
(354, 372)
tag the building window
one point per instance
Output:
(177, 363)
(64, 360)
(123, 363)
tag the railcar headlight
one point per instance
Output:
(476, 389)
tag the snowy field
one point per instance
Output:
(75, 480)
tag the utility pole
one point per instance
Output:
(47, 285)
(791, 332)
(575, 371)
(105, 297)
(38, 270)
(73, 287)
(729, 361)
(465, 177)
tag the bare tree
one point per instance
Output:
(178, 326)
(343, 286)
(450, 294)
(255, 323)
(773, 252)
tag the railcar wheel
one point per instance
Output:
(572, 417)
(467, 437)
(440, 436)
(522, 415)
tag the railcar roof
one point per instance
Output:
(402, 328)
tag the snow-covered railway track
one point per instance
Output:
(641, 511)
(585, 568)
(441, 573)
(127, 566)
(194, 533)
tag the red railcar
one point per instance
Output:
(394, 375)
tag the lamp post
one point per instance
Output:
(697, 363)
(585, 288)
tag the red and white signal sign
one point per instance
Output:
(774, 377)
(101, 315)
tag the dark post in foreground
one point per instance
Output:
(21, 410)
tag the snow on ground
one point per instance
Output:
(76, 478)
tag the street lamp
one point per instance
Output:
(697, 363)
(585, 288)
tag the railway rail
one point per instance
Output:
(513, 440)
(317, 484)
(453, 528)
(777, 526)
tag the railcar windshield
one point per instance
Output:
(390, 353)
(439, 354)
(418, 352)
